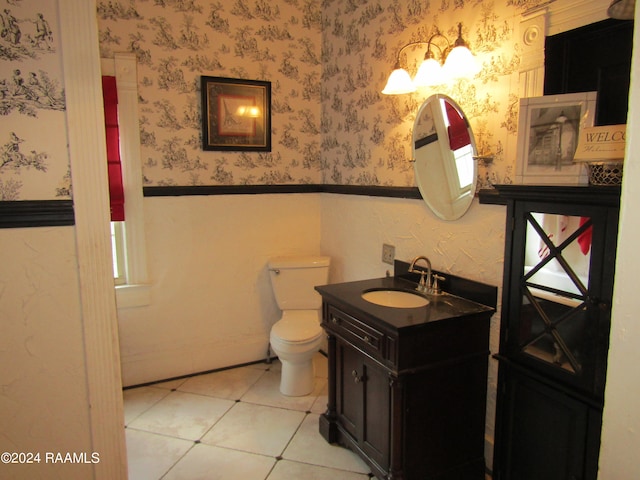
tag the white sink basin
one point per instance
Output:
(395, 298)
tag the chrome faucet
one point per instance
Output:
(425, 285)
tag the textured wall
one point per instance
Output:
(44, 404)
(212, 304)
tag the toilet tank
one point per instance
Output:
(293, 280)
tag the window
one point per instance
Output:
(114, 165)
(460, 177)
(128, 237)
(118, 253)
(464, 167)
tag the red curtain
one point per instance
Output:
(116, 189)
(458, 131)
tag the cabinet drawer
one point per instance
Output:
(355, 331)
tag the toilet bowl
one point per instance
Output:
(297, 335)
(295, 339)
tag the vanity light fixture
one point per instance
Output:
(456, 61)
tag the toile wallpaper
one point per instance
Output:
(33, 149)
(177, 41)
(327, 63)
(367, 135)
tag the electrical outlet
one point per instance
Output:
(388, 253)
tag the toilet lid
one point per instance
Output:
(298, 330)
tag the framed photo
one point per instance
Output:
(236, 114)
(548, 132)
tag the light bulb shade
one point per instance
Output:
(399, 82)
(461, 63)
(430, 73)
(622, 9)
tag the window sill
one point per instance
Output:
(128, 296)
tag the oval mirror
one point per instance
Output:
(443, 152)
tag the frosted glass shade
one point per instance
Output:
(430, 73)
(399, 82)
(622, 9)
(461, 63)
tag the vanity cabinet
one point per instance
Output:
(560, 254)
(363, 402)
(407, 386)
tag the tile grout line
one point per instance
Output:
(263, 373)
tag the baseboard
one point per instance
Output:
(171, 363)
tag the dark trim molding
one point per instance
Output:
(48, 213)
(58, 213)
(584, 194)
(179, 191)
(36, 213)
(373, 191)
(490, 196)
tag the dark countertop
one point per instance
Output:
(441, 307)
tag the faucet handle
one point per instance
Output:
(423, 285)
(435, 288)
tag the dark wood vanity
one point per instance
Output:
(407, 386)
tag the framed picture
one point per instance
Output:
(236, 114)
(548, 132)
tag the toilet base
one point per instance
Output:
(297, 379)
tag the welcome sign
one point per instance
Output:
(601, 144)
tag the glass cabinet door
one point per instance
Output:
(555, 316)
(554, 287)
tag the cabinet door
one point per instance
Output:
(363, 402)
(545, 433)
(349, 393)
(376, 414)
(559, 302)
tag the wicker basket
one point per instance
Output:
(605, 173)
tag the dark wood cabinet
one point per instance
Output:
(363, 399)
(407, 386)
(557, 294)
(547, 432)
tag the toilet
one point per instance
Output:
(297, 336)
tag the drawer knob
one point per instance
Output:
(357, 378)
(334, 320)
(367, 338)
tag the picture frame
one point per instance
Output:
(236, 114)
(548, 132)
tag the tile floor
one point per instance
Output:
(233, 424)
